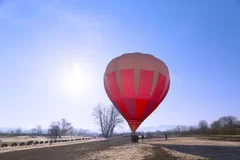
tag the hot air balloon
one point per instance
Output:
(136, 83)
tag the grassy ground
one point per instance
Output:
(75, 151)
(159, 154)
(68, 152)
(121, 148)
(235, 138)
(195, 148)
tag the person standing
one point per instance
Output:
(166, 136)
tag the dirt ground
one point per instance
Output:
(20, 148)
(65, 152)
(126, 152)
(121, 148)
(190, 148)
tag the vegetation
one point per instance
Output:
(107, 118)
(65, 152)
(159, 154)
(56, 130)
(227, 125)
(60, 128)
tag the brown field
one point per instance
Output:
(181, 148)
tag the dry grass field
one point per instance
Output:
(179, 148)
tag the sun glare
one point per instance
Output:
(74, 80)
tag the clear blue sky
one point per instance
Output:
(44, 42)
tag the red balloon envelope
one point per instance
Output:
(136, 83)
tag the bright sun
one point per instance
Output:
(74, 80)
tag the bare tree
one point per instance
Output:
(80, 132)
(238, 124)
(34, 131)
(184, 128)
(228, 121)
(177, 129)
(39, 130)
(72, 132)
(65, 127)
(54, 130)
(83, 132)
(203, 126)
(192, 129)
(18, 131)
(60, 128)
(11, 132)
(215, 125)
(108, 118)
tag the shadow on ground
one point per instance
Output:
(211, 152)
(159, 154)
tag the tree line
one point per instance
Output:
(56, 130)
(107, 118)
(226, 125)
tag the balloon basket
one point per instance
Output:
(134, 138)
